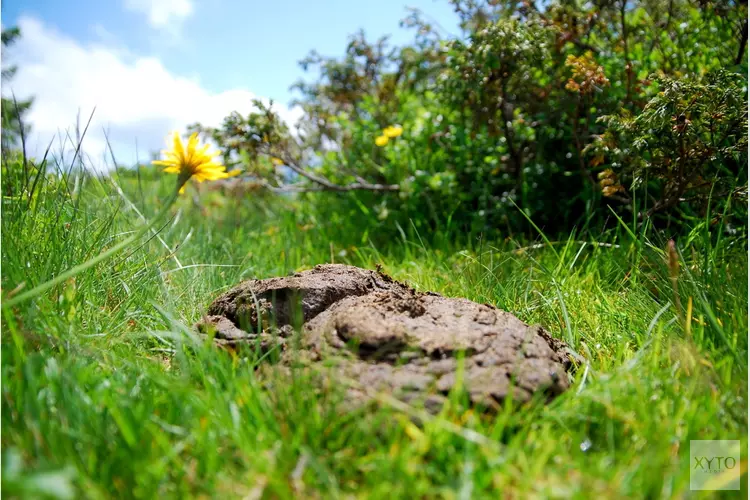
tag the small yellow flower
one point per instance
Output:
(381, 140)
(393, 132)
(191, 161)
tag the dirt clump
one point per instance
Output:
(382, 335)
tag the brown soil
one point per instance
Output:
(384, 336)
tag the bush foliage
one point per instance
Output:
(559, 111)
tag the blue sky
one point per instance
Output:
(150, 66)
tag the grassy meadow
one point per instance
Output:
(107, 393)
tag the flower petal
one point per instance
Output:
(192, 160)
(177, 147)
(392, 132)
(192, 145)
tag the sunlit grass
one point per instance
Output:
(106, 392)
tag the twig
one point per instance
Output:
(331, 186)
(743, 44)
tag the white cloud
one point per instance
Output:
(162, 13)
(137, 100)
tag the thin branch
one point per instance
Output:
(290, 188)
(331, 186)
(743, 44)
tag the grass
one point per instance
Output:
(106, 392)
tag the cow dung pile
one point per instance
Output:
(382, 335)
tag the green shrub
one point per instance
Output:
(686, 149)
(506, 121)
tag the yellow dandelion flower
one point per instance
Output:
(393, 132)
(381, 140)
(191, 161)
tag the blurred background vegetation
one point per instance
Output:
(562, 113)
